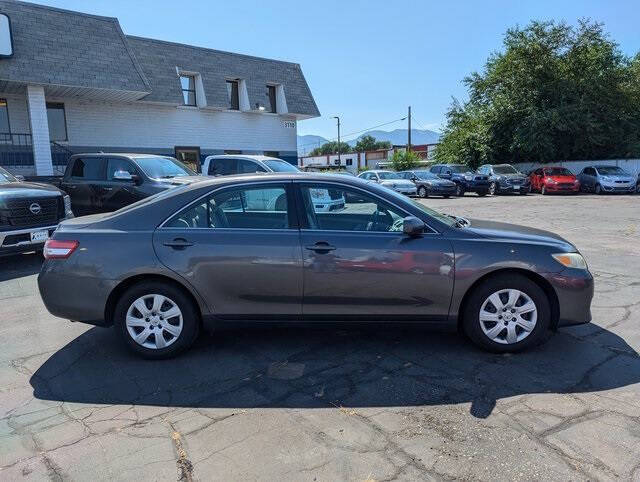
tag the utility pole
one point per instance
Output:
(409, 131)
(339, 155)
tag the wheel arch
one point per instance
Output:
(535, 277)
(127, 283)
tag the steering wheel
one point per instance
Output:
(397, 225)
(375, 220)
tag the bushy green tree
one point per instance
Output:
(555, 92)
(331, 148)
(369, 143)
(404, 160)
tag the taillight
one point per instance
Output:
(57, 249)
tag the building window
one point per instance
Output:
(349, 162)
(57, 120)
(272, 153)
(188, 83)
(232, 94)
(4, 117)
(232, 151)
(271, 94)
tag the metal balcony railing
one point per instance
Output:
(17, 150)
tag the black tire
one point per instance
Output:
(422, 192)
(459, 190)
(598, 189)
(190, 318)
(471, 323)
(492, 188)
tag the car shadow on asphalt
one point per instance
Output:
(334, 367)
(20, 265)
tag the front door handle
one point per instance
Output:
(178, 243)
(108, 188)
(321, 247)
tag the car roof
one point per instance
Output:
(131, 155)
(273, 176)
(249, 157)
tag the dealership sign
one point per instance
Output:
(6, 42)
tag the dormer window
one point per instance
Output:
(232, 95)
(271, 96)
(188, 84)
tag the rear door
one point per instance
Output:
(83, 184)
(358, 265)
(240, 248)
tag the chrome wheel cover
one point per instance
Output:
(154, 321)
(508, 316)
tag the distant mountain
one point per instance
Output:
(397, 137)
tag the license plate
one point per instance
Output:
(39, 236)
(516, 188)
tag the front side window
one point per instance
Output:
(232, 95)
(506, 169)
(260, 207)
(4, 118)
(388, 175)
(338, 208)
(57, 120)
(89, 169)
(115, 164)
(271, 95)
(6, 177)
(188, 84)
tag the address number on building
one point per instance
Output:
(289, 124)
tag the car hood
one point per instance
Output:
(618, 177)
(562, 178)
(511, 176)
(180, 180)
(517, 233)
(22, 190)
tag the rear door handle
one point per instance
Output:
(178, 243)
(321, 247)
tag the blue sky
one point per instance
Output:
(364, 60)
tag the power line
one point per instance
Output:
(357, 132)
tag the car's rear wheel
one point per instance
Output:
(459, 190)
(157, 320)
(507, 313)
(422, 192)
(492, 188)
(598, 189)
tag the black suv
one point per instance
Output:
(107, 182)
(29, 213)
(464, 177)
(504, 178)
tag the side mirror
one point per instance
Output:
(124, 176)
(19, 177)
(446, 175)
(412, 226)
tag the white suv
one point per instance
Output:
(230, 164)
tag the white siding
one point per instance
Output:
(39, 130)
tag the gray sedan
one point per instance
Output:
(254, 248)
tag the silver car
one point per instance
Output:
(392, 180)
(601, 179)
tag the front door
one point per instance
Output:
(358, 264)
(190, 156)
(240, 249)
(120, 193)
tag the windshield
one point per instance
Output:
(558, 171)
(425, 175)
(458, 168)
(388, 175)
(610, 170)
(163, 167)
(506, 169)
(280, 166)
(6, 177)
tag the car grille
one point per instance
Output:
(516, 181)
(16, 213)
(565, 185)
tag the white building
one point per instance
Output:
(72, 82)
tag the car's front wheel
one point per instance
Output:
(459, 190)
(507, 313)
(598, 189)
(492, 188)
(422, 192)
(156, 320)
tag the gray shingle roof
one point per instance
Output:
(159, 60)
(65, 48)
(61, 47)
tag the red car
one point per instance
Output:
(554, 179)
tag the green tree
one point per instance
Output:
(331, 148)
(555, 92)
(369, 143)
(404, 160)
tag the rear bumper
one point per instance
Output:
(476, 186)
(19, 241)
(77, 298)
(574, 288)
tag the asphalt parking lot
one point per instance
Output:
(339, 403)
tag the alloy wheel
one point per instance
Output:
(422, 192)
(492, 188)
(508, 316)
(154, 321)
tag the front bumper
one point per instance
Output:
(476, 186)
(328, 206)
(574, 288)
(512, 188)
(409, 191)
(20, 240)
(618, 186)
(562, 187)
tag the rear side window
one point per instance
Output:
(90, 168)
(436, 169)
(254, 207)
(223, 167)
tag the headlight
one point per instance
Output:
(570, 260)
(468, 177)
(550, 181)
(67, 204)
(606, 178)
